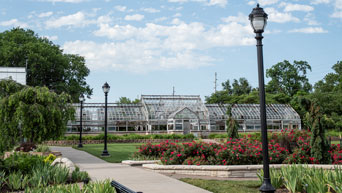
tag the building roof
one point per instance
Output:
(164, 107)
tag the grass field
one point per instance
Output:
(118, 151)
(218, 186)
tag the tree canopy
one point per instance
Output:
(126, 100)
(288, 78)
(9, 87)
(46, 63)
(34, 113)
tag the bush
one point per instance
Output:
(21, 162)
(42, 148)
(242, 151)
(26, 147)
(131, 136)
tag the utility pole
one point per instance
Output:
(215, 82)
(173, 91)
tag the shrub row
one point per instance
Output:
(129, 137)
(285, 147)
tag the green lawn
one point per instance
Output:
(218, 186)
(335, 142)
(118, 151)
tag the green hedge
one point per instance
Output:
(129, 137)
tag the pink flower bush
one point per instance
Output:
(288, 146)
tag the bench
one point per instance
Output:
(121, 188)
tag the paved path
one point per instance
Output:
(136, 179)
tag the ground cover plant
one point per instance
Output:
(21, 171)
(289, 147)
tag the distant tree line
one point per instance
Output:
(289, 85)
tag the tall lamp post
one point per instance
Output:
(258, 20)
(81, 128)
(105, 89)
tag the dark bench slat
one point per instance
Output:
(121, 188)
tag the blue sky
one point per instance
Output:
(147, 47)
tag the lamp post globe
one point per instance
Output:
(105, 89)
(258, 20)
(81, 99)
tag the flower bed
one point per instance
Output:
(21, 171)
(286, 147)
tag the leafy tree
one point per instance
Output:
(8, 87)
(288, 78)
(328, 93)
(232, 125)
(227, 87)
(47, 65)
(126, 100)
(34, 113)
(241, 86)
(332, 82)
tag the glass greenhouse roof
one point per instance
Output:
(166, 107)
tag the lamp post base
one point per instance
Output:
(267, 187)
(105, 153)
(80, 145)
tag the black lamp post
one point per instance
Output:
(81, 128)
(106, 89)
(258, 20)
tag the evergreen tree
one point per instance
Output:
(319, 144)
(232, 125)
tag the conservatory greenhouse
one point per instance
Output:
(179, 114)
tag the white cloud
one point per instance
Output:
(13, 23)
(279, 17)
(74, 20)
(63, 1)
(51, 38)
(251, 3)
(150, 10)
(135, 17)
(177, 1)
(310, 19)
(160, 19)
(177, 15)
(336, 14)
(45, 14)
(337, 9)
(221, 3)
(120, 8)
(315, 2)
(159, 47)
(241, 18)
(267, 2)
(309, 30)
(296, 7)
(338, 4)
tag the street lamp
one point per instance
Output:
(258, 20)
(82, 99)
(105, 89)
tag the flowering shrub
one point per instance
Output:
(336, 154)
(288, 146)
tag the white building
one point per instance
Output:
(17, 74)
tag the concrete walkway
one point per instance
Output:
(136, 179)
